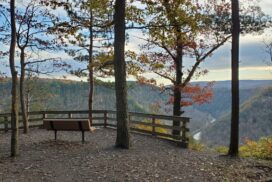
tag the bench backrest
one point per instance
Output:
(67, 124)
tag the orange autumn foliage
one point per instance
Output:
(194, 94)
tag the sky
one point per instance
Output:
(254, 62)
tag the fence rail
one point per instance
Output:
(151, 124)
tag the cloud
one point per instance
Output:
(266, 6)
(252, 54)
(134, 41)
(259, 68)
(245, 73)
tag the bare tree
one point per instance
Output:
(33, 21)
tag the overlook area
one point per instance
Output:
(139, 90)
(149, 159)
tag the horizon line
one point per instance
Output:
(77, 80)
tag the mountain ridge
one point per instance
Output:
(255, 121)
(62, 94)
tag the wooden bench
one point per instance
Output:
(71, 124)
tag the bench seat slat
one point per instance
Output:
(71, 124)
(67, 124)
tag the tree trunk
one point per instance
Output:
(234, 136)
(123, 137)
(178, 63)
(91, 79)
(91, 92)
(27, 102)
(22, 96)
(177, 92)
(14, 111)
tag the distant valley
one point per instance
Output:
(211, 119)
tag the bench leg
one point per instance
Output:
(55, 135)
(83, 137)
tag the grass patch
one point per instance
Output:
(222, 149)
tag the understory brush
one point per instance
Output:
(261, 149)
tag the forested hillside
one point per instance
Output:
(255, 120)
(220, 105)
(47, 94)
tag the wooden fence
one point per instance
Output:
(151, 124)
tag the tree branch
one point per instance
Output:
(215, 47)
(200, 59)
(7, 20)
(159, 45)
(42, 61)
(107, 63)
(166, 77)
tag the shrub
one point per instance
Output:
(197, 146)
(261, 149)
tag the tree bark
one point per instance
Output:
(22, 95)
(234, 135)
(14, 111)
(91, 93)
(123, 136)
(91, 78)
(177, 92)
(27, 102)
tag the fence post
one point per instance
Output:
(184, 139)
(153, 125)
(44, 115)
(105, 119)
(6, 124)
